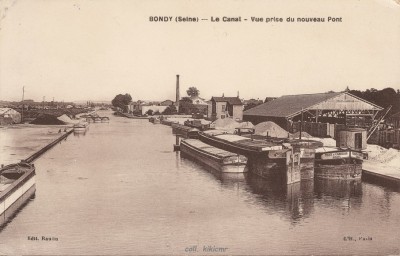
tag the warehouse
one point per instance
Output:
(335, 108)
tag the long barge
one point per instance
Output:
(218, 159)
(15, 181)
(265, 158)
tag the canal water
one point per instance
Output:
(120, 189)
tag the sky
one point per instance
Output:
(93, 50)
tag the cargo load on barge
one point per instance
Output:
(218, 159)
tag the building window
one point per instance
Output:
(223, 108)
(222, 116)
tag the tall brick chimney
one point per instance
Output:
(177, 93)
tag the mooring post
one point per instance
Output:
(176, 146)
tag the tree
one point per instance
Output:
(170, 110)
(383, 98)
(121, 101)
(193, 92)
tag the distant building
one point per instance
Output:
(167, 103)
(226, 107)
(9, 116)
(136, 107)
(194, 105)
(153, 108)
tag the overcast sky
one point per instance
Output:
(93, 50)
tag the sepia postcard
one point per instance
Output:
(181, 127)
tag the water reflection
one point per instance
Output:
(340, 194)
(340, 189)
(227, 180)
(80, 132)
(295, 200)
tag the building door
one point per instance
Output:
(358, 140)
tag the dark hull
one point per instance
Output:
(342, 165)
(185, 132)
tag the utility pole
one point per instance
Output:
(22, 113)
(301, 125)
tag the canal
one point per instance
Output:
(120, 189)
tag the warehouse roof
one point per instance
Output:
(292, 105)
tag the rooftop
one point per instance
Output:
(291, 105)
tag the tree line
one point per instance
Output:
(383, 98)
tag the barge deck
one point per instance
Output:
(218, 159)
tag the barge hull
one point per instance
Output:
(349, 171)
(212, 161)
(342, 165)
(16, 190)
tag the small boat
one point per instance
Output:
(218, 159)
(80, 126)
(338, 163)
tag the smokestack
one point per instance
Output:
(177, 93)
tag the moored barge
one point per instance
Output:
(184, 131)
(337, 163)
(15, 181)
(265, 158)
(306, 149)
(218, 159)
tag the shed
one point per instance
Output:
(353, 138)
(9, 116)
(333, 107)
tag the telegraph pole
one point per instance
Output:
(22, 112)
